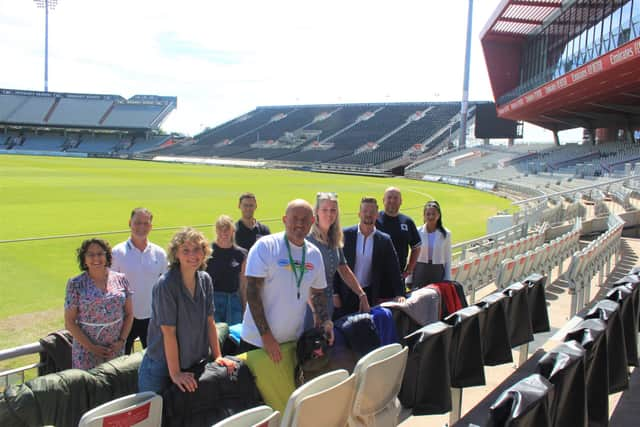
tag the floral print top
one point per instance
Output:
(100, 314)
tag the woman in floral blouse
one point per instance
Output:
(97, 307)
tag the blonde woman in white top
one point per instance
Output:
(434, 262)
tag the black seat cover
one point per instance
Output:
(592, 336)
(467, 363)
(537, 303)
(426, 386)
(518, 318)
(635, 289)
(525, 404)
(564, 367)
(616, 349)
(496, 346)
(624, 296)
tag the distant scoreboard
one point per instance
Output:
(489, 125)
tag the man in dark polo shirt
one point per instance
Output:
(402, 230)
(248, 229)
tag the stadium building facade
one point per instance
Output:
(564, 64)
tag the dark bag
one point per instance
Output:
(360, 332)
(218, 396)
(312, 353)
(56, 355)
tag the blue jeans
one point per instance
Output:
(153, 375)
(308, 316)
(228, 307)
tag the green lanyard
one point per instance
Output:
(294, 267)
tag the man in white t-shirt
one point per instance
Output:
(284, 272)
(142, 263)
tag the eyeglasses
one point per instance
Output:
(95, 254)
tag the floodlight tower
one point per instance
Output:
(462, 141)
(46, 5)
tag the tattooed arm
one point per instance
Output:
(255, 286)
(319, 303)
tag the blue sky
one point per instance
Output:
(222, 60)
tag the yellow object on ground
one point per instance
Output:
(274, 380)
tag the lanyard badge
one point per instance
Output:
(298, 272)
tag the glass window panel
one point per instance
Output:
(615, 29)
(625, 18)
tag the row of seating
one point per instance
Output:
(591, 260)
(95, 144)
(534, 171)
(543, 258)
(554, 214)
(341, 127)
(570, 385)
(622, 196)
(479, 271)
(447, 356)
(365, 398)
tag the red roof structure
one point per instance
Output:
(598, 91)
(519, 17)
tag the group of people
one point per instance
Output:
(276, 285)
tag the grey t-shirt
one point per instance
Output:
(172, 305)
(332, 259)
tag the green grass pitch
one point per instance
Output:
(45, 196)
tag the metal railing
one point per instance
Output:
(602, 185)
(460, 250)
(13, 353)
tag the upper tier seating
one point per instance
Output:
(32, 110)
(71, 111)
(80, 111)
(133, 115)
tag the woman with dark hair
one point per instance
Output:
(97, 308)
(326, 234)
(434, 262)
(182, 329)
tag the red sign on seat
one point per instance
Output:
(129, 418)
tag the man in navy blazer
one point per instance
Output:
(372, 258)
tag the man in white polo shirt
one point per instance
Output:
(142, 262)
(284, 272)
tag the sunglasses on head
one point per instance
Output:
(327, 196)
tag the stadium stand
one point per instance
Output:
(87, 124)
(222, 139)
(351, 135)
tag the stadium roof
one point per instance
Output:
(519, 17)
(602, 92)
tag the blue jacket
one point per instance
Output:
(386, 280)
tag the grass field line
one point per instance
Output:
(175, 227)
(429, 196)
